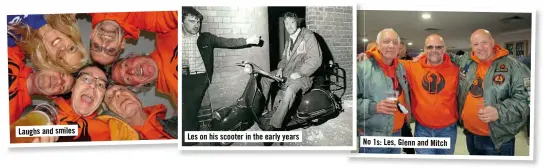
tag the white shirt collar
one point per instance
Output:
(294, 36)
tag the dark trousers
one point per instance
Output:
(482, 145)
(193, 90)
(406, 131)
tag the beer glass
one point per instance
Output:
(42, 114)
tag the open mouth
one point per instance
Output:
(55, 42)
(87, 99)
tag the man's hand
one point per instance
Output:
(361, 57)
(488, 114)
(253, 40)
(279, 73)
(295, 76)
(418, 57)
(386, 107)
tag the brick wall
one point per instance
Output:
(233, 22)
(335, 25)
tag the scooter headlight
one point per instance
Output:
(248, 69)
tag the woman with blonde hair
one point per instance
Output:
(52, 41)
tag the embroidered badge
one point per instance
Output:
(527, 83)
(498, 79)
(501, 68)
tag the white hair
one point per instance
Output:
(378, 38)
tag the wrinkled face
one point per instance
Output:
(122, 101)
(290, 25)
(88, 91)
(135, 71)
(61, 48)
(107, 42)
(191, 24)
(435, 49)
(389, 45)
(482, 45)
(50, 82)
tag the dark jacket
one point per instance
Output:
(207, 42)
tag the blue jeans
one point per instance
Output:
(446, 132)
(382, 150)
(482, 145)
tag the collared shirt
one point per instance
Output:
(293, 39)
(191, 57)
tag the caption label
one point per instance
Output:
(48, 130)
(243, 136)
(404, 142)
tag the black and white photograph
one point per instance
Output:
(268, 69)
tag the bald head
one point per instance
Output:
(388, 44)
(434, 38)
(482, 44)
(435, 49)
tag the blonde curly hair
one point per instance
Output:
(32, 44)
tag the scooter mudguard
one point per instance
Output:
(232, 118)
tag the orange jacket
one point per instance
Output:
(165, 25)
(152, 128)
(166, 57)
(133, 22)
(434, 91)
(93, 127)
(18, 72)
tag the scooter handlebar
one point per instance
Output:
(257, 69)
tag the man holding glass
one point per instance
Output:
(383, 95)
(493, 90)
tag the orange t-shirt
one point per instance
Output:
(475, 97)
(18, 72)
(166, 57)
(152, 128)
(390, 71)
(434, 92)
(89, 128)
(133, 22)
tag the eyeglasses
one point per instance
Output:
(434, 47)
(109, 51)
(88, 79)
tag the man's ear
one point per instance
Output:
(123, 43)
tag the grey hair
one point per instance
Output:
(378, 38)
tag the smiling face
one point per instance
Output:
(50, 82)
(106, 42)
(389, 44)
(435, 48)
(135, 71)
(122, 101)
(88, 91)
(482, 44)
(61, 48)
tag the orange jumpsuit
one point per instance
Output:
(93, 127)
(152, 128)
(18, 72)
(165, 25)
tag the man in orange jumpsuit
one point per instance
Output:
(149, 121)
(24, 82)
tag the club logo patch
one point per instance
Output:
(498, 79)
(433, 83)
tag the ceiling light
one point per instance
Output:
(410, 43)
(426, 16)
(365, 40)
